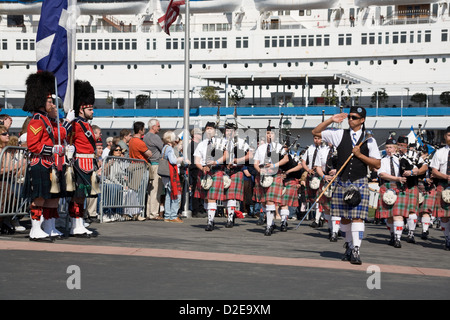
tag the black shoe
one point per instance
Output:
(447, 244)
(269, 231)
(283, 227)
(424, 235)
(334, 237)
(391, 240)
(348, 252)
(314, 225)
(410, 239)
(210, 226)
(229, 224)
(354, 257)
(397, 244)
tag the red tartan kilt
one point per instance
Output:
(441, 208)
(274, 193)
(429, 193)
(397, 209)
(311, 195)
(216, 192)
(290, 196)
(236, 189)
(324, 201)
(413, 204)
(257, 189)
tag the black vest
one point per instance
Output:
(289, 165)
(355, 168)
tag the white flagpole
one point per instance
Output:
(186, 212)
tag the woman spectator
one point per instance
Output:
(171, 183)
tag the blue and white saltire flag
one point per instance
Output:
(55, 45)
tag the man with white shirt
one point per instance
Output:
(440, 165)
(357, 153)
(268, 159)
(209, 159)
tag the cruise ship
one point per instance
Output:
(305, 59)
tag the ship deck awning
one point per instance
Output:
(272, 78)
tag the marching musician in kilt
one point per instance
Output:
(350, 198)
(312, 187)
(237, 155)
(268, 159)
(325, 166)
(210, 166)
(81, 152)
(292, 172)
(427, 195)
(42, 183)
(393, 199)
(440, 165)
(411, 165)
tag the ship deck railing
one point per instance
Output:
(249, 111)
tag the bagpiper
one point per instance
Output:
(81, 154)
(393, 200)
(268, 159)
(44, 175)
(209, 157)
(440, 165)
(237, 152)
(356, 151)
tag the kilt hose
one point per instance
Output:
(273, 193)
(216, 192)
(236, 189)
(429, 195)
(340, 209)
(290, 196)
(399, 208)
(441, 207)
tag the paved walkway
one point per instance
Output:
(159, 261)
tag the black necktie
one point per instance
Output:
(392, 167)
(314, 157)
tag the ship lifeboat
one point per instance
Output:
(207, 6)
(367, 3)
(275, 5)
(20, 7)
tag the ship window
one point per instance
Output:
(99, 44)
(395, 61)
(288, 41)
(168, 44)
(419, 36)
(217, 43)
(411, 37)
(411, 61)
(341, 39)
(4, 44)
(202, 43)
(18, 44)
(134, 44)
(444, 60)
(196, 43)
(427, 60)
(386, 38)
(175, 44)
(224, 43)
(319, 40)
(113, 44)
(274, 42)
(364, 38)
(310, 40)
(380, 37)
(395, 37)
(107, 44)
(403, 37)
(427, 35)
(93, 44)
(210, 43)
(120, 44)
(281, 42)
(371, 38)
(296, 41)
(444, 35)
(326, 40)
(86, 44)
(267, 42)
(246, 65)
(348, 39)
(303, 41)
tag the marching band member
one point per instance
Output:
(268, 159)
(440, 165)
(427, 191)
(45, 156)
(409, 168)
(210, 167)
(82, 149)
(393, 197)
(237, 153)
(292, 172)
(351, 192)
(308, 162)
(325, 167)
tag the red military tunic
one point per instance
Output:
(84, 143)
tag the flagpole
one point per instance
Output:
(186, 212)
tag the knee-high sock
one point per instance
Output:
(231, 206)
(426, 221)
(336, 223)
(357, 233)
(270, 213)
(284, 213)
(411, 221)
(211, 207)
(346, 230)
(398, 229)
(445, 226)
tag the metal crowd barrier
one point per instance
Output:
(13, 166)
(124, 183)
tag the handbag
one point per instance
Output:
(163, 167)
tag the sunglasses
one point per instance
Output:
(4, 133)
(118, 150)
(354, 117)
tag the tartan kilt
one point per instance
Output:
(398, 208)
(290, 196)
(236, 189)
(413, 196)
(310, 194)
(340, 209)
(441, 208)
(38, 183)
(82, 182)
(257, 189)
(216, 192)
(324, 201)
(429, 194)
(273, 193)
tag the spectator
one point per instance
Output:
(171, 184)
(155, 145)
(106, 151)
(6, 120)
(137, 148)
(198, 211)
(124, 138)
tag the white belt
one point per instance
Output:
(84, 155)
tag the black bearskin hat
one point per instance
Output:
(83, 95)
(39, 86)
